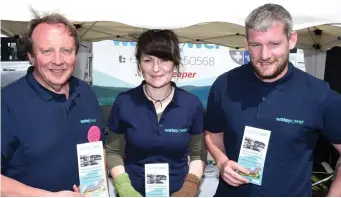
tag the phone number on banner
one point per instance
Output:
(199, 60)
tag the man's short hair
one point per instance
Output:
(261, 18)
(49, 19)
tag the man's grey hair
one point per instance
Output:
(261, 18)
(52, 19)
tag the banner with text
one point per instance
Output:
(115, 68)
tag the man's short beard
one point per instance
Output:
(277, 72)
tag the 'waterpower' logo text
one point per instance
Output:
(289, 121)
(183, 45)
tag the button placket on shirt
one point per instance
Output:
(262, 110)
(159, 129)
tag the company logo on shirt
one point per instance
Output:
(289, 121)
(87, 121)
(176, 130)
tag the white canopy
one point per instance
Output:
(215, 21)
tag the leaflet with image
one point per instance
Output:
(91, 168)
(157, 180)
(253, 153)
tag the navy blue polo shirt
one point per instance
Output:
(149, 141)
(295, 109)
(40, 130)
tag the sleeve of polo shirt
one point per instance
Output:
(214, 116)
(198, 119)
(332, 116)
(9, 143)
(114, 123)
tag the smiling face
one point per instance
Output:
(269, 51)
(158, 56)
(156, 71)
(54, 56)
